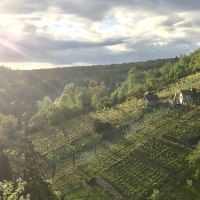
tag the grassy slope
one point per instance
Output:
(185, 83)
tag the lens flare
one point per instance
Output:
(12, 47)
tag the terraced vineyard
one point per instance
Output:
(185, 131)
(162, 153)
(70, 134)
(128, 177)
(148, 158)
(142, 162)
(120, 113)
(90, 193)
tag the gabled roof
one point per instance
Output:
(147, 93)
(186, 92)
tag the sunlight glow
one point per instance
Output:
(12, 47)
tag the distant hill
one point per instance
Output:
(21, 89)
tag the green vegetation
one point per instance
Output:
(90, 193)
(185, 83)
(12, 192)
(139, 164)
(86, 133)
(19, 90)
(139, 81)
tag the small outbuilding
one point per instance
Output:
(151, 99)
(186, 95)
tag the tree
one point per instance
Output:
(8, 126)
(34, 172)
(13, 190)
(41, 119)
(66, 101)
(5, 171)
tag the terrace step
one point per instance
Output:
(150, 163)
(174, 144)
(107, 187)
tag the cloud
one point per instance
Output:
(43, 49)
(95, 9)
(47, 44)
(29, 28)
(172, 20)
(66, 32)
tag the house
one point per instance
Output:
(186, 95)
(151, 99)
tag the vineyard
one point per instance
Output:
(143, 161)
(133, 178)
(121, 113)
(67, 135)
(149, 157)
(126, 131)
(61, 145)
(90, 193)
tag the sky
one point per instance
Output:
(61, 33)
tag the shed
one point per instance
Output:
(151, 99)
(186, 95)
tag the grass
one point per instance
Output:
(192, 81)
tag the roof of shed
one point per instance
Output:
(151, 97)
(186, 92)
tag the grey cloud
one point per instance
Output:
(172, 20)
(183, 5)
(69, 52)
(42, 49)
(24, 6)
(96, 9)
(60, 52)
(176, 21)
(30, 28)
(47, 44)
(101, 55)
(192, 23)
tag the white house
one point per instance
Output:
(186, 95)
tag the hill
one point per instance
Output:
(85, 133)
(21, 89)
(151, 148)
(151, 158)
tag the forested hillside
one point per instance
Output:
(155, 79)
(21, 89)
(87, 132)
